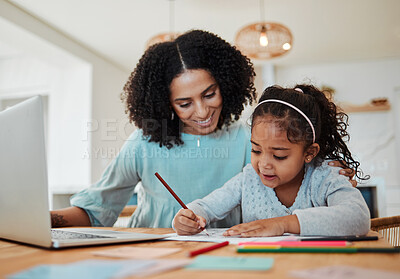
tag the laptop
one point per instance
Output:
(24, 203)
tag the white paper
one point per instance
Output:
(141, 253)
(215, 235)
(344, 272)
(165, 265)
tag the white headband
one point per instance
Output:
(293, 107)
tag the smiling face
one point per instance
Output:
(277, 161)
(197, 101)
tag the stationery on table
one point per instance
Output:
(230, 263)
(252, 244)
(280, 249)
(173, 194)
(101, 269)
(207, 249)
(344, 272)
(345, 238)
(165, 265)
(216, 235)
(143, 253)
(87, 269)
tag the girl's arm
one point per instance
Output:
(339, 209)
(219, 203)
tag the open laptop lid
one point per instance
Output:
(24, 206)
(23, 174)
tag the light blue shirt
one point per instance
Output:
(326, 203)
(193, 170)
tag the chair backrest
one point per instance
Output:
(124, 216)
(389, 227)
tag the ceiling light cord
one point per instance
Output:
(171, 16)
(262, 11)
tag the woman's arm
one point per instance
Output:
(68, 217)
(104, 200)
(345, 171)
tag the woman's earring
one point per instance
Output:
(172, 115)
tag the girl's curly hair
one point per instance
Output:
(147, 90)
(329, 123)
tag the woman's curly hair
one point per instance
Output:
(329, 123)
(148, 88)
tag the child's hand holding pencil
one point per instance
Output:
(188, 223)
(185, 221)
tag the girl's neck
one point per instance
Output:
(287, 193)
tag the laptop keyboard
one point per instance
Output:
(59, 234)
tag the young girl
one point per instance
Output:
(289, 187)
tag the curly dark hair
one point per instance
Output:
(330, 124)
(147, 90)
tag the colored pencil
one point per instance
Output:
(173, 194)
(207, 249)
(320, 250)
(295, 244)
(345, 238)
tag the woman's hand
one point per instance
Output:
(344, 171)
(266, 227)
(188, 223)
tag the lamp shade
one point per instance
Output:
(264, 40)
(162, 37)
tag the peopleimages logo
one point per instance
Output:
(110, 129)
(121, 129)
(186, 153)
(162, 153)
(101, 153)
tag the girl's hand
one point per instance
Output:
(345, 171)
(266, 227)
(188, 223)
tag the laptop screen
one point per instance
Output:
(24, 205)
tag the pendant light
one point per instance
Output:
(166, 36)
(264, 40)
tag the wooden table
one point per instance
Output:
(17, 257)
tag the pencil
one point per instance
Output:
(279, 249)
(173, 194)
(294, 244)
(207, 249)
(345, 238)
(171, 191)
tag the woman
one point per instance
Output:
(185, 97)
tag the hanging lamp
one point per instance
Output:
(165, 36)
(264, 40)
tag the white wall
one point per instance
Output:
(372, 134)
(109, 113)
(82, 86)
(67, 95)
